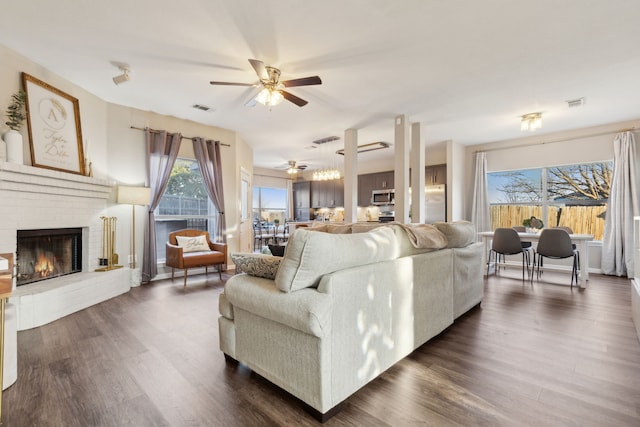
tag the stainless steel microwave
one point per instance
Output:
(382, 197)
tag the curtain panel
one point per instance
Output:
(210, 163)
(480, 213)
(617, 243)
(162, 151)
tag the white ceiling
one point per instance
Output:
(465, 69)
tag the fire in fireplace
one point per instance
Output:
(47, 253)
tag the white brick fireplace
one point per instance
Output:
(37, 198)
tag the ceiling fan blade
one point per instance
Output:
(260, 69)
(292, 98)
(305, 81)
(233, 84)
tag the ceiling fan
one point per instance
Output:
(292, 167)
(273, 91)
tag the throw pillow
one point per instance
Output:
(458, 233)
(259, 265)
(193, 244)
(277, 250)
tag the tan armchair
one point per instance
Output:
(181, 257)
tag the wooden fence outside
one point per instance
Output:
(581, 219)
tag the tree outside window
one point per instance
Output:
(184, 204)
(574, 196)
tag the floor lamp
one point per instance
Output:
(133, 196)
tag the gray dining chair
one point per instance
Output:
(555, 243)
(525, 245)
(507, 242)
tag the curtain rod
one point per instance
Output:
(184, 137)
(553, 141)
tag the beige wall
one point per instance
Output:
(117, 152)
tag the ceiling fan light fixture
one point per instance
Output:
(269, 97)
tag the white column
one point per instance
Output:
(351, 175)
(417, 175)
(401, 175)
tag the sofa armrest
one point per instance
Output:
(306, 310)
(174, 256)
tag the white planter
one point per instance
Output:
(13, 140)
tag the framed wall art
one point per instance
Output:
(53, 119)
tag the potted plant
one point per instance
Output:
(15, 117)
(532, 224)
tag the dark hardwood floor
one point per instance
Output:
(537, 354)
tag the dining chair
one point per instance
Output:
(259, 236)
(555, 243)
(507, 242)
(525, 245)
(575, 248)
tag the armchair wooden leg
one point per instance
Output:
(220, 271)
(185, 278)
(173, 270)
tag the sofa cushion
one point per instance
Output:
(459, 233)
(364, 227)
(310, 255)
(193, 244)
(339, 228)
(259, 265)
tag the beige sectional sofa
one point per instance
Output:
(339, 309)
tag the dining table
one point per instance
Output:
(580, 240)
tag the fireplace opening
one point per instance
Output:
(47, 253)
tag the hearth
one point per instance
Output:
(47, 253)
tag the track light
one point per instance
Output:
(124, 77)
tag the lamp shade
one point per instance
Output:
(133, 195)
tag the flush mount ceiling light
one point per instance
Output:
(531, 122)
(124, 77)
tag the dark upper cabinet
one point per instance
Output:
(384, 180)
(373, 181)
(435, 175)
(366, 184)
(302, 194)
(327, 194)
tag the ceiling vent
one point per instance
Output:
(575, 102)
(203, 108)
(325, 140)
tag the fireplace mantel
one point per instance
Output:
(22, 178)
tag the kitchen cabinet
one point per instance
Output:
(327, 194)
(302, 200)
(302, 194)
(435, 175)
(373, 181)
(302, 214)
(384, 180)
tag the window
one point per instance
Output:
(269, 204)
(184, 204)
(574, 196)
